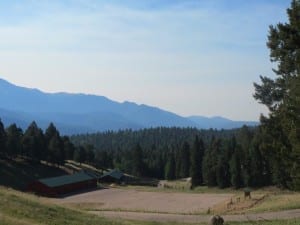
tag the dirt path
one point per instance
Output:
(158, 217)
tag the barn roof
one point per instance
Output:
(114, 174)
(66, 179)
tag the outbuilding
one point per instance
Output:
(61, 185)
(114, 176)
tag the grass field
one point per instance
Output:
(269, 200)
(17, 208)
(278, 202)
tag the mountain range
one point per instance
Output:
(82, 113)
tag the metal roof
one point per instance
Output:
(114, 173)
(67, 179)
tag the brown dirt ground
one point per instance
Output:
(160, 206)
(133, 200)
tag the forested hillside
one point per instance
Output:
(237, 158)
(216, 158)
(211, 157)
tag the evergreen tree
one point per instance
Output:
(244, 137)
(185, 161)
(294, 132)
(2, 138)
(178, 160)
(210, 163)
(69, 148)
(222, 167)
(33, 143)
(80, 154)
(90, 155)
(222, 172)
(281, 97)
(257, 170)
(55, 146)
(55, 150)
(13, 142)
(103, 159)
(137, 161)
(197, 154)
(236, 170)
(170, 168)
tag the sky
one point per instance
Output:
(190, 57)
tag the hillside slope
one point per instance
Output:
(18, 174)
(17, 208)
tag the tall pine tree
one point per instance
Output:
(55, 146)
(185, 161)
(236, 169)
(2, 138)
(197, 154)
(33, 143)
(13, 142)
(170, 168)
(281, 96)
(137, 161)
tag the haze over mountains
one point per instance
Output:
(81, 113)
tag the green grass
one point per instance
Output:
(18, 208)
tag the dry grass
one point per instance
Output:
(80, 166)
(263, 200)
(238, 204)
(180, 186)
(277, 202)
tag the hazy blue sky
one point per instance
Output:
(190, 57)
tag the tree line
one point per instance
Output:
(226, 158)
(35, 145)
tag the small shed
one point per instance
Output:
(113, 176)
(57, 186)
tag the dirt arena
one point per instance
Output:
(114, 199)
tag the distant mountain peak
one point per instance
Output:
(81, 113)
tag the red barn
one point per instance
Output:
(57, 186)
